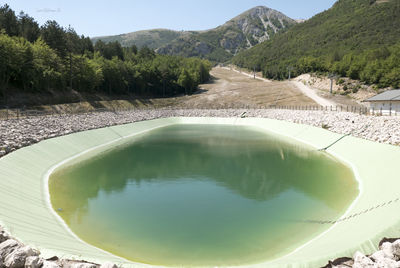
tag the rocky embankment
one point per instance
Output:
(388, 256)
(14, 254)
(17, 133)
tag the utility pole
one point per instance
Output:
(70, 69)
(290, 69)
(332, 76)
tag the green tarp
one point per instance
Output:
(26, 213)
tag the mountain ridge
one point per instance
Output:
(218, 44)
(152, 38)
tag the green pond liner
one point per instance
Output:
(26, 213)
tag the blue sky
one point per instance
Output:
(105, 17)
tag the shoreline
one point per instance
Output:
(18, 133)
(41, 128)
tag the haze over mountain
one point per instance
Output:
(355, 38)
(153, 39)
(219, 44)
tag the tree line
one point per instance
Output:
(50, 57)
(359, 39)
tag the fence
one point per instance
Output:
(7, 114)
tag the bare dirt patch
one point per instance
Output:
(229, 88)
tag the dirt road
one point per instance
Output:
(309, 92)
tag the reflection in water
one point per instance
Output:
(202, 195)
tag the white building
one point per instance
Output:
(387, 103)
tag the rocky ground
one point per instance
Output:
(388, 256)
(17, 133)
(14, 254)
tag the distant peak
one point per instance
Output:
(258, 8)
(261, 7)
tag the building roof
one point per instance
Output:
(390, 95)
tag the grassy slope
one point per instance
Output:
(349, 26)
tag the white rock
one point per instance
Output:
(108, 265)
(379, 255)
(396, 249)
(8, 247)
(387, 249)
(387, 263)
(18, 257)
(3, 235)
(80, 265)
(50, 264)
(362, 261)
(33, 262)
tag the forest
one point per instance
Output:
(50, 57)
(359, 39)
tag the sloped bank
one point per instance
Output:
(15, 134)
(25, 210)
(14, 254)
(388, 256)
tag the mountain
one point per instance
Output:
(242, 32)
(151, 38)
(219, 44)
(355, 38)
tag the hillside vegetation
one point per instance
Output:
(51, 58)
(359, 39)
(151, 38)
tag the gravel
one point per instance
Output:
(17, 133)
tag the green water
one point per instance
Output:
(202, 195)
